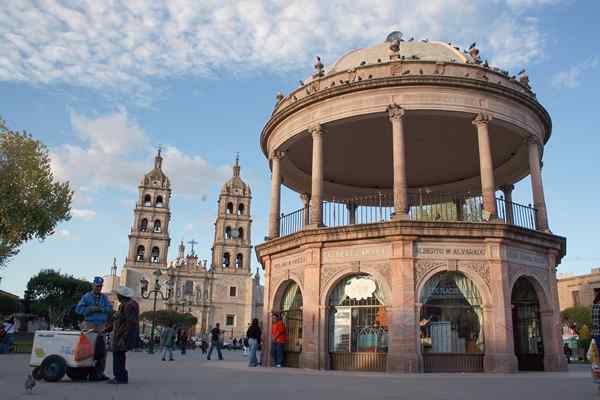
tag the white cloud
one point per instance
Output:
(107, 158)
(64, 232)
(84, 214)
(122, 44)
(571, 78)
(189, 227)
(515, 41)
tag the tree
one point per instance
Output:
(33, 203)
(166, 317)
(54, 295)
(577, 317)
(8, 305)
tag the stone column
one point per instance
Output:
(396, 115)
(554, 358)
(311, 295)
(305, 197)
(486, 165)
(266, 316)
(403, 352)
(275, 195)
(316, 210)
(537, 188)
(507, 191)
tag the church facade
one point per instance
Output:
(224, 291)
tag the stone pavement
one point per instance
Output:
(192, 377)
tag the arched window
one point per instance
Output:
(291, 312)
(157, 226)
(229, 208)
(527, 326)
(241, 233)
(240, 210)
(357, 317)
(159, 201)
(144, 225)
(155, 255)
(239, 261)
(451, 319)
(147, 200)
(226, 260)
(140, 253)
(228, 232)
(188, 288)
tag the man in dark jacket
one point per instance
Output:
(125, 333)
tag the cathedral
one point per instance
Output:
(225, 291)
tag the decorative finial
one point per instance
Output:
(192, 243)
(158, 158)
(319, 68)
(236, 167)
(279, 97)
(474, 53)
(524, 78)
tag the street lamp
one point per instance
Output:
(156, 291)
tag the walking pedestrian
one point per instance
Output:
(253, 335)
(167, 338)
(568, 352)
(182, 340)
(279, 339)
(95, 308)
(125, 332)
(215, 341)
(7, 335)
(596, 319)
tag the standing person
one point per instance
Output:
(125, 332)
(568, 352)
(95, 308)
(279, 339)
(167, 338)
(215, 341)
(203, 345)
(182, 340)
(253, 334)
(7, 335)
(596, 319)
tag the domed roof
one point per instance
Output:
(408, 50)
(156, 177)
(235, 185)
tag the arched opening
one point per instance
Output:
(159, 201)
(358, 325)
(240, 233)
(451, 324)
(140, 253)
(226, 260)
(291, 312)
(188, 288)
(144, 225)
(147, 200)
(240, 210)
(155, 257)
(228, 232)
(157, 226)
(527, 326)
(239, 261)
(229, 209)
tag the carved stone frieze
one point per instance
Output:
(481, 268)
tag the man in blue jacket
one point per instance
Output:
(96, 308)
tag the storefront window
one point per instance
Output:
(357, 317)
(451, 319)
(291, 312)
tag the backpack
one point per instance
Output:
(2, 332)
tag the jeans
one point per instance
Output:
(6, 343)
(119, 370)
(168, 349)
(253, 362)
(277, 353)
(212, 347)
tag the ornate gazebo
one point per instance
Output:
(409, 253)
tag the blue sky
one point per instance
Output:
(104, 83)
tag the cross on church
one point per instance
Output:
(192, 243)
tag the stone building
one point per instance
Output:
(578, 290)
(409, 254)
(225, 291)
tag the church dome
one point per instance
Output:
(235, 185)
(411, 49)
(156, 177)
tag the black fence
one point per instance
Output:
(422, 207)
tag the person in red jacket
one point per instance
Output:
(279, 339)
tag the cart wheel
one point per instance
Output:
(37, 373)
(53, 368)
(78, 374)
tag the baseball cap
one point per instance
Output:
(98, 281)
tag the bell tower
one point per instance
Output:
(233, 241)
(149, 237)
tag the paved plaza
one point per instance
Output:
(193, 377)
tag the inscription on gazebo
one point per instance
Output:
(356, 253)
(449, 250)
(526, 257)
(290, 261)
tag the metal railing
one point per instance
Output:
(422, 207)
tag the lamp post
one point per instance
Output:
(155, 291)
